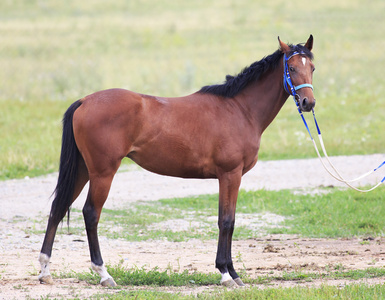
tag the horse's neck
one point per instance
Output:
(265, 98)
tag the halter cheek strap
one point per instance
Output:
(287, 84)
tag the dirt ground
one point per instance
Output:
(25, 201)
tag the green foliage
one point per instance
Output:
(134, 222)
(331, 213)
(139, 295)
(325, 292)
(53, 53)
(338, 213)
(30, 136)
(154, 277)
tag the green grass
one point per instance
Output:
(354, 291)
(338, 213)
(30, 141)
(54, 53)
(350, 292)
(153, 278)
(331, 214)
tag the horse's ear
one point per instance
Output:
(309, 43)
(284, 47)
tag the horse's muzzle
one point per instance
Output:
(305, 104)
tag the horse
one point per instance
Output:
(212, 133)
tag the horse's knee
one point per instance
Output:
(226, 224)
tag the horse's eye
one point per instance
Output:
(291, 69)
(313, 69)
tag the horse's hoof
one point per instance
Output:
(108, 282)
(46, 279)
(230, 283)
(239, 281)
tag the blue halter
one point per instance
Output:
(287, 84)
(291, 89)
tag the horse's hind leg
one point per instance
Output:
(97, 195)
(53, 222)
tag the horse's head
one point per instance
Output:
(298, 73)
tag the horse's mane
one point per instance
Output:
(235, 84)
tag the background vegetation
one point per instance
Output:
(53, 53)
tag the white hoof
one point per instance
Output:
(46, 279)
(45, 276)
(230, 284)
(108, 282)
(227, 281)
(239, 281)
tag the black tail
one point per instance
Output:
(68, 167)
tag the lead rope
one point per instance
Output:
(338, 177)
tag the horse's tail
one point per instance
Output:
(68, 168)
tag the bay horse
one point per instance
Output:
(213, 133)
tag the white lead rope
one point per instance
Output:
(337, 176)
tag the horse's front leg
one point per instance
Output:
(228, 192)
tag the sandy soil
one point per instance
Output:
(22, 202)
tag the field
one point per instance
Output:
(53, 53)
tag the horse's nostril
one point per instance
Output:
(304, 102)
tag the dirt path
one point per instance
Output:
(22, 201)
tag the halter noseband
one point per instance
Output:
(287, 84)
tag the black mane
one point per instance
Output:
(235, 84)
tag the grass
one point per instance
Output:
(53, 53)
(337, 213)
(330, 214)
(154, 278)
(29, 139)
(324, 292)
(350, 292)
(334, 214)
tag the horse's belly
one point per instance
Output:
(170, 166)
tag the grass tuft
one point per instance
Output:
(154, 277)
